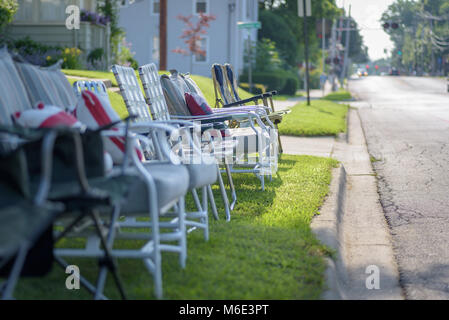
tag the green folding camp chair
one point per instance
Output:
(30, 172)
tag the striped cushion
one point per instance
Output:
(197, 105)
(48, 85)
(193, 86)
(13, 96)
(174, 97)
(45, 117)
(96, 111)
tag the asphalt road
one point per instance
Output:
(406, 123)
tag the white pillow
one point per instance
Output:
(45, 117)
(95, 111)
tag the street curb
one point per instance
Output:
(344, 136)
(326, 227)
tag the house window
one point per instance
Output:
(200, 6)
(53, 10)
(155, 50)
(25, 12)
(203, 44)
(155, 6)
(249, 9)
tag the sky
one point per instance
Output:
(367, 13)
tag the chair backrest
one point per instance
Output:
(154, 94)
(13, 95)
(46, 84)
(174, 94)
(232, 81)
(96, 86)
(192, 85)
(131, 93)
(222, 92)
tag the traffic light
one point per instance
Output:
(367, 67)
(399, 53)
(376, 67)
(392, 25)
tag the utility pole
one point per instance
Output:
(323, 42)
(163, 35)
(333, 53)
(304, 11)
(348, 37)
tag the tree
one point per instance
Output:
(281, 24)
(8, 9)
(422, 38)
(286, 41)
(358, 52)
(192, 35)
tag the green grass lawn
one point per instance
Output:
(267, 251)
(206, 85)
(341, 95)
(322, 118)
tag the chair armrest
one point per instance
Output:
(244, 101)
(270, 94)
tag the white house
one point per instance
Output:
(224, 41)
(44, 21)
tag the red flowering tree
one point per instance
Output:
(192, 35)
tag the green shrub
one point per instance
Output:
(291, 86)
(273, 81)
(8, 9)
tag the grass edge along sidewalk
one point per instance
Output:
(267, 251)
(321, 118)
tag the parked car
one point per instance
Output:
(362, 73)
(394, 72)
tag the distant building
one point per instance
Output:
(224, 42)
(44, 21)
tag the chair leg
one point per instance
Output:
(212, 202)
(182, 228)
(83, 281)
(232, 187)
(107, 261)
(101, 281)
(15, 273)
(224, 196)
(205, 219)
(196, 200)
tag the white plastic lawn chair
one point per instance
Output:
(202, 175)
(256, 150)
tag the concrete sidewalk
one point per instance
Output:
(352, 220)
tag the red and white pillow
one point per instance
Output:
(197, 104)
(43, 116)
(96, 111)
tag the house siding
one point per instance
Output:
(142, 26)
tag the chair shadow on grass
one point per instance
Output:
(260, 248)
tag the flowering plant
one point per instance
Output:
(71, 57)
(94, 18)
